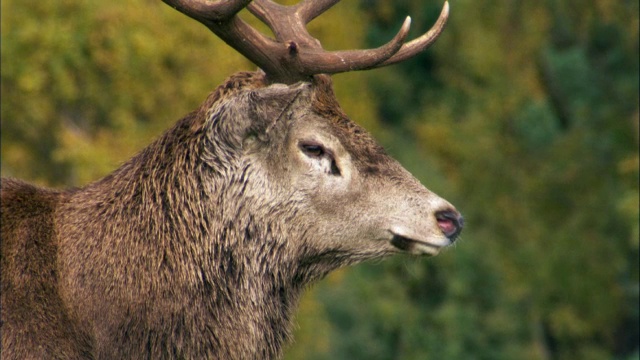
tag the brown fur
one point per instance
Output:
(199, 246)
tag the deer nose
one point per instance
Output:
(450, 223)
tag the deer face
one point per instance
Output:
(302, 152)
(307, 161)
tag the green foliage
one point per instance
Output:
(526, 117)
(523, 114)
(86, 85)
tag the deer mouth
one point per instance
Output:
(413, 246)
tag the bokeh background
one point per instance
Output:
(524, 114)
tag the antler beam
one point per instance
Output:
(294, 54)
(204, 10)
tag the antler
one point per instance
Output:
(294, 54)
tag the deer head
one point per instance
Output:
(357, 198)
(341, 197)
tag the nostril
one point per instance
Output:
(450, 223)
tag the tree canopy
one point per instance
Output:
(524, 114)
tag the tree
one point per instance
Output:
(527, 117)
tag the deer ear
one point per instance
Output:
(269, 106)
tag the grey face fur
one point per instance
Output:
(200, 245)
(353, 202)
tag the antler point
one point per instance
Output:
(407, 23)
(445, 9)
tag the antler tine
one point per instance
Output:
(310, 9)
(333, 62)
(305, 54)
(279, 18)
(302, 13)
(417, 45)
(206, 11)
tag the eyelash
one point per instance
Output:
(317, 151)
(313, 150)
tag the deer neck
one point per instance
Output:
(193, 272)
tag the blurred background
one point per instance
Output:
(524, 114)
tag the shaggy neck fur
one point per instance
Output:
(208, 271)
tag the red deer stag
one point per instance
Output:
(200, 245)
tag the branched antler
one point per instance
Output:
(294, 54)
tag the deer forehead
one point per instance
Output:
(323, 112)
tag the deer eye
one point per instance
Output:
(317, 151)
(313, 150)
